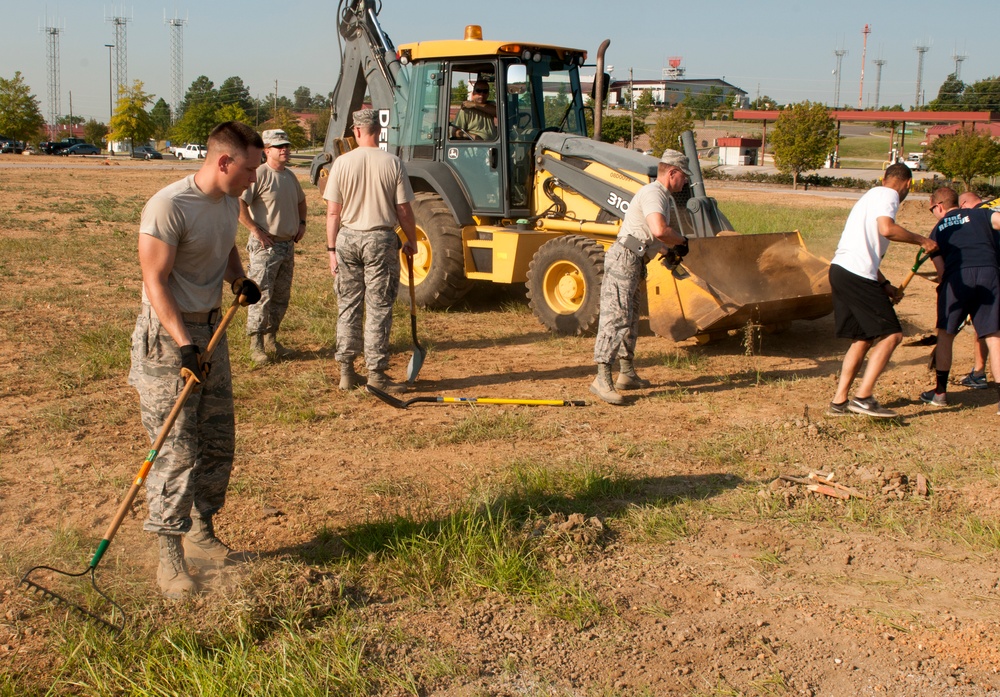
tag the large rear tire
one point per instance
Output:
(564, 284)
(439, 264)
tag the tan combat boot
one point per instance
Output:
(172, 575)
(201, 543)
(378, 379)
(272, 345)
(257, 353)
(603, 387)
(348, 377)
(628, 379)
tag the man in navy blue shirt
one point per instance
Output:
(968, 268)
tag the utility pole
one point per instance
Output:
(839, 53)
(631, 110)
(52, 59)
(861, 91)
(111, 86)
(120, 23)
(879, 62)
(176, 64)
(275, 107)
(958, 58)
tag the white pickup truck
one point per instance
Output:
(189, 151)
(915, 161)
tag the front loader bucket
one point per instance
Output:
(768, 279)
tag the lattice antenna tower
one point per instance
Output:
(52, 64)
(176, 64)
(839, 53)
(958, 58)
(120, 22)
(921, 49)
(879, 62)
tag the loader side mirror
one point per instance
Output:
(517, 76)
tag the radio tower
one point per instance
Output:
(120, 22)
(176, 65)
(861, 90)
(921, 50)
(52, 63)
(839, 53)
(879, 62)
(958, 58)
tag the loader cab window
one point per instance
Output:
(419, 113)
(472, 112)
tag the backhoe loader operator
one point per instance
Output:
(647, 225)
(187, 249)
(476, 120)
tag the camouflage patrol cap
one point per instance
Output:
(676, 159)
(365, 119)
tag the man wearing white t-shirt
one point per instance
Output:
(862, 297)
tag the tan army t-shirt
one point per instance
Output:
(369, 183)
(203, 230)
(274, 202)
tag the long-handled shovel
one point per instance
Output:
(115, 620)
(922, 256)
(419, 352)
(400, 404)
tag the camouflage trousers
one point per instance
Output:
(192, 469)
(618, 326)
(367, 283)
(271, 268)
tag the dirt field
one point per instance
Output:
(674, 562)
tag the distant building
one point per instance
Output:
(738, 151)
(669, 93)
(950, 129)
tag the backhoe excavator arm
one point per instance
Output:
(368, 65)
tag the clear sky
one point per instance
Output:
(781, 48)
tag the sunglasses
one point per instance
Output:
(478, 91)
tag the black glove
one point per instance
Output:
(191, 364)
(248, 289)
(681, 249)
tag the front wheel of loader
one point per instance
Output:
(439, 264)
(564, 284)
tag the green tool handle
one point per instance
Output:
(922, 256)
(140, 478)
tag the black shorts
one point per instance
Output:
(972, 292)
(861, 309)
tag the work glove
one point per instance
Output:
(250, 291)
(191, 365)
(682, 249)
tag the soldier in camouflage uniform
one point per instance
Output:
(187, 250)
(648, 225)
(273, 209)
(368, 194)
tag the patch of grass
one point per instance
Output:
(769, 560)
(977, 533)
(571, 603)
(112, 209)
(487, 425)
(678, 359)
(658, 522)
(773, 683)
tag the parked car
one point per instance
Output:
(915, 161)
(144, 152)
(190, 151)
(11, 145)
(80, 149)
(52, 147)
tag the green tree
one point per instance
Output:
(94, 131)
(70, 120)
(320, 126)
(196, 123)
(201, 91)
(667, 129)
(233, 91)
(20, 116)
(803, 137)
(983, 95)
(764, 103)
(286, 121)
(644, 105)
(616, 129)
(965, 155)
(302, 98)
(131, 122)
(949, 97)
(160, 113)
(703, 104)
(232, 112)
(460, 92)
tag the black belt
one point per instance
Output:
(210, 317)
